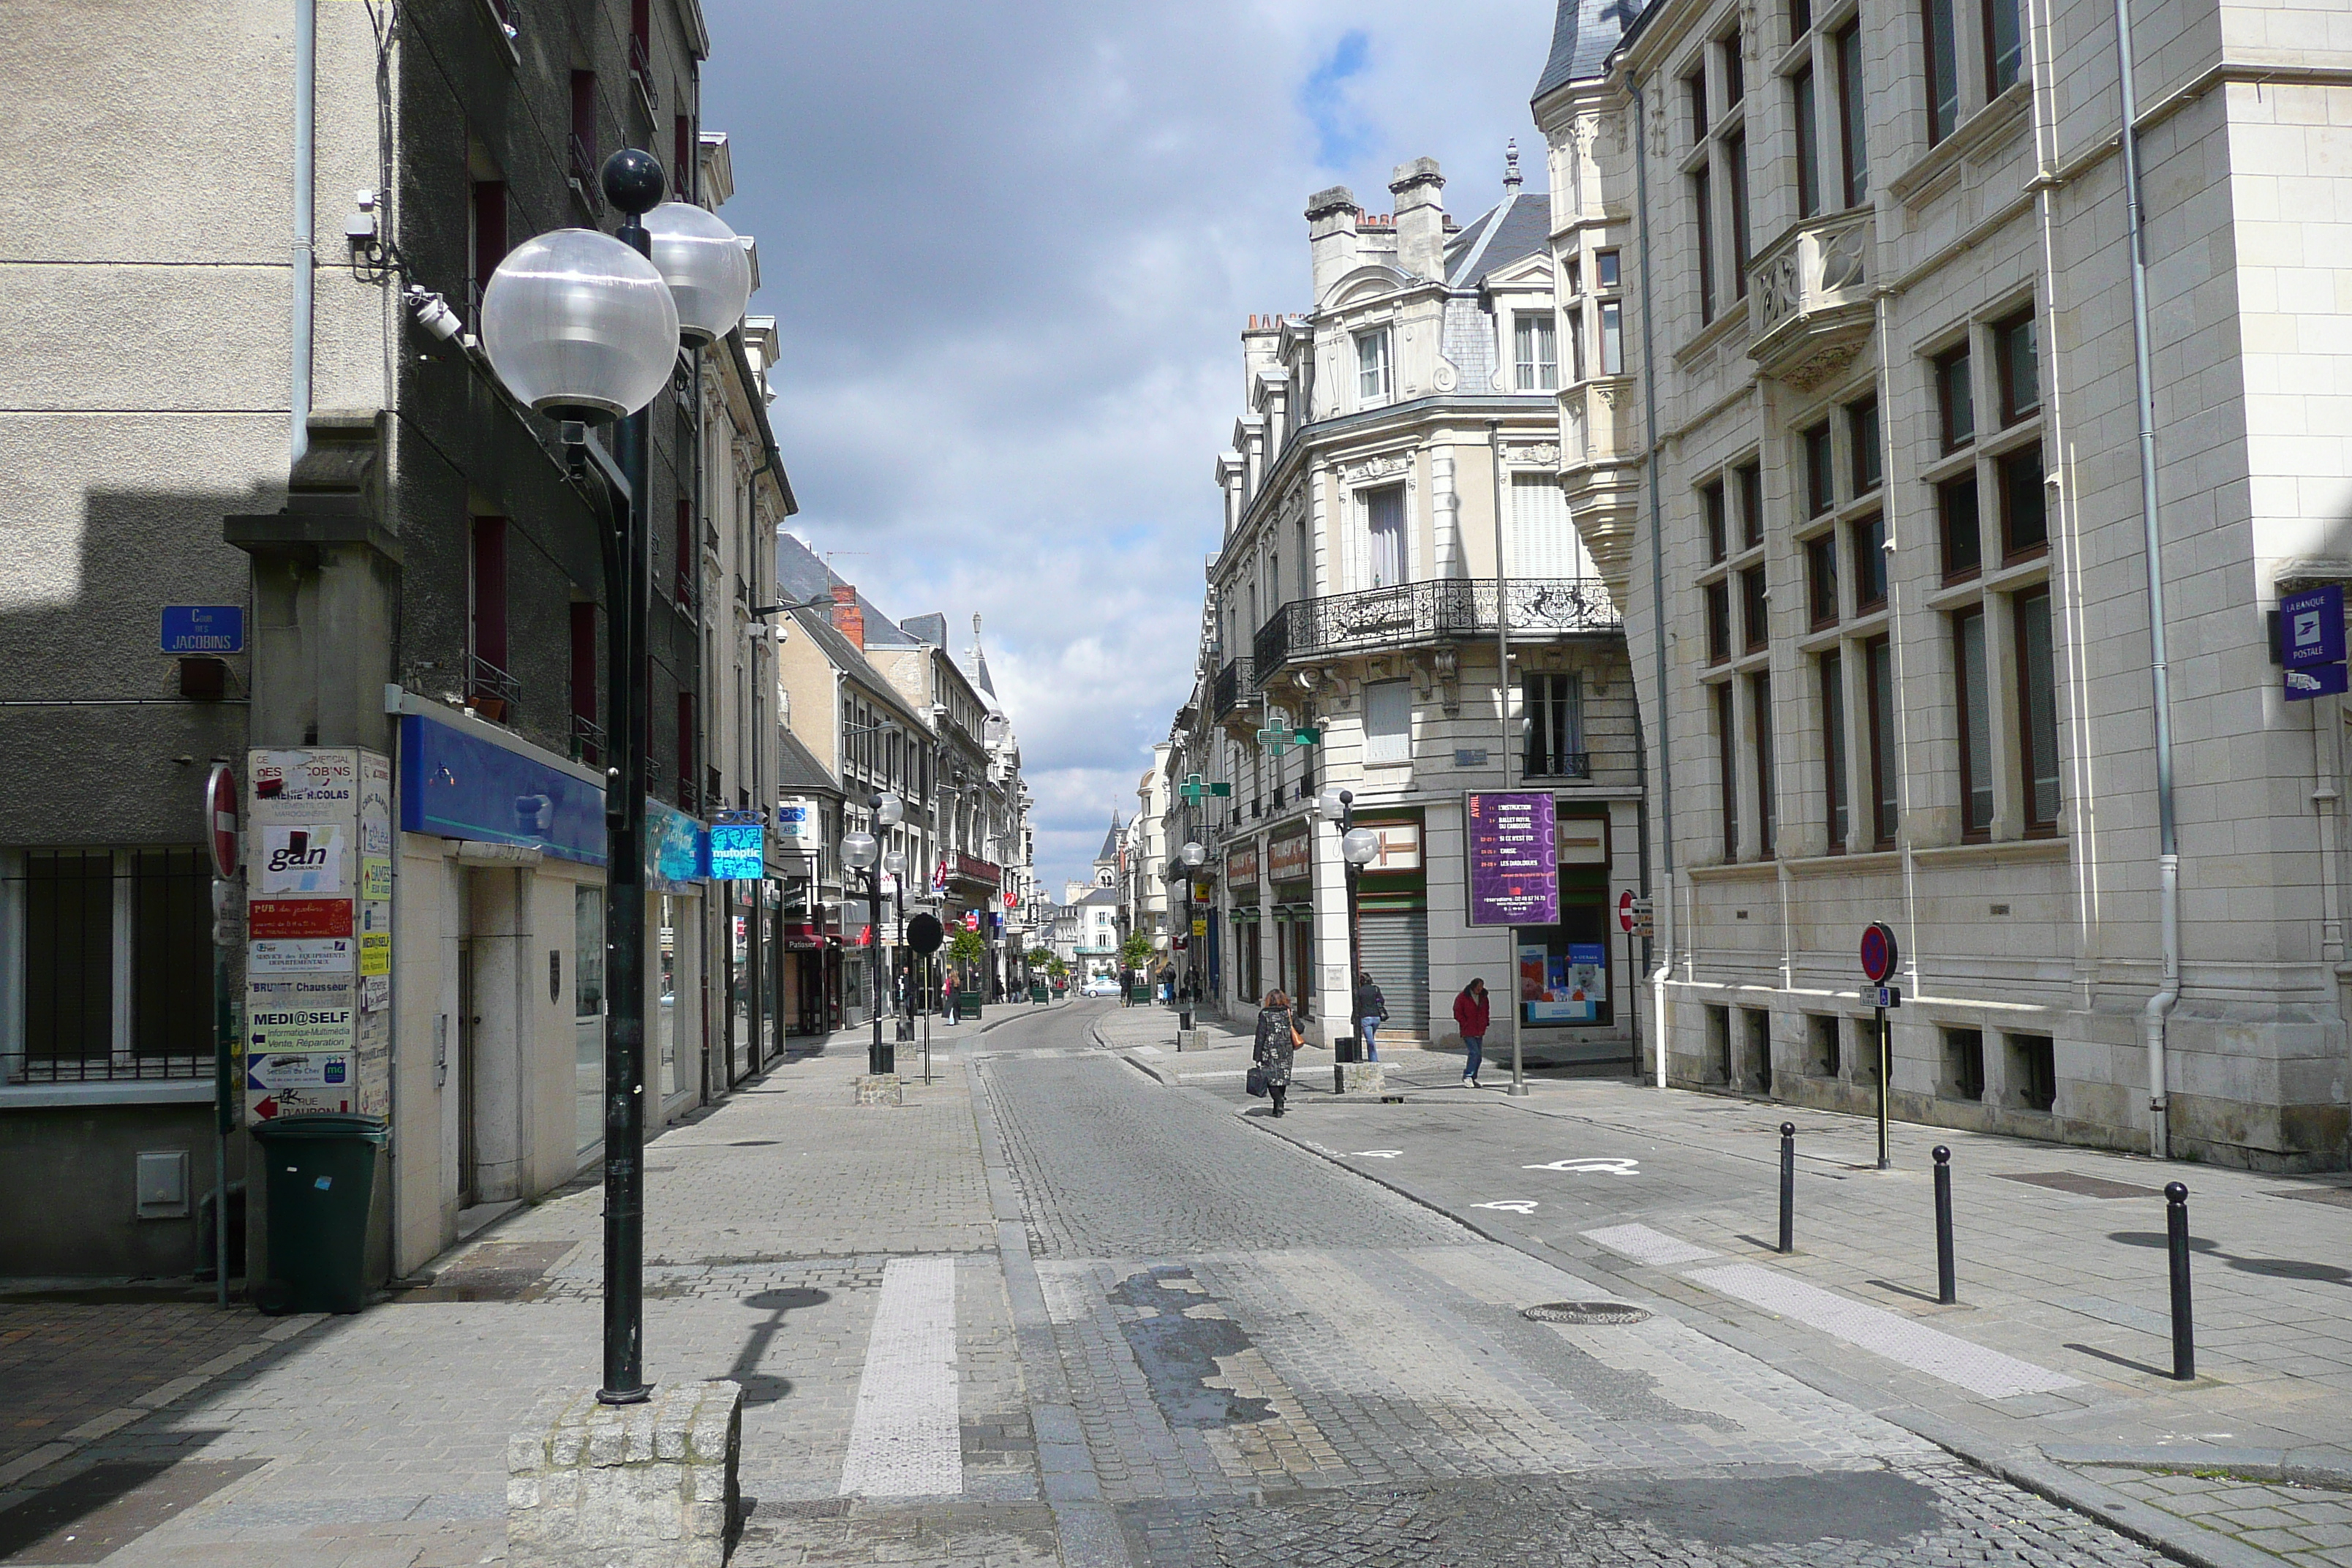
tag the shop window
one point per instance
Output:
(1563, 970)
(1964, 1077)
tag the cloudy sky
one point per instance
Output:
(1009, 248)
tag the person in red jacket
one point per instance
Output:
(1470, 1014)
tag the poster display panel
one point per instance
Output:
(1514, 873)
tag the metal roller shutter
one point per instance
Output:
(1396, 955)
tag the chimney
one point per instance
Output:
(1420, 192)
(847, 618)
(1331, 217)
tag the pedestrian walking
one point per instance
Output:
(1371, 1012)
(1470, 1015)
(1278, 1036)
(947, 997)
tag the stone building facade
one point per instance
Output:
(1886, 561)
(1394, 439)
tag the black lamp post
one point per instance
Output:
(584, 328)
(1359, 848)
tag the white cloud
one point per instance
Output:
(1010, 248)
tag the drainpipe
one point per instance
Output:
(2153, 1016)
(1658, 906)
(306, 113)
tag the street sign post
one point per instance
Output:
(925, 934)
(1880, 954)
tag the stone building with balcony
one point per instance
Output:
(1394, 515)
(1893, 571)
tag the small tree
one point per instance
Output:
(1056, 968)
(1041, 958)
(1136, 949)
(966, 948)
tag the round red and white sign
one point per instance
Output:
(220, 819)
(1878, 952)
(1625, 911)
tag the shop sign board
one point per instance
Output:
(739, 851)
(1241, 866)
(1400, 845)
(1513, 866)
(800, 827)
(1287, 859)
(319, 933)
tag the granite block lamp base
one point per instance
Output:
(628, 1485)
(1359, 1078)
(880, 1088)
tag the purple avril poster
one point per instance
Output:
(1514, 873)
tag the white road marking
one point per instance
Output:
(1147, 1050)
(1982, 1372)
(1643, 1244)
(903, 1441)
(1511, 1205)
(1376, 1155)
(1592, 1167)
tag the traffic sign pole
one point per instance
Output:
(1880, 953)
(220, 832)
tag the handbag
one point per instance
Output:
(1257, 1083)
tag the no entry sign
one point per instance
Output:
(220, 820)
(1878, 952)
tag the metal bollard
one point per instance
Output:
(1788, 1187)
(2176, 1233)
(1948, 1290)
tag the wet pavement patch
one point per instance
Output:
(89, 1517)
(1178, 1352)
(1874, 1506)
(2082, 1186)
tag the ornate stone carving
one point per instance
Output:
(1372, 469)
(1447, 376)
(1540, 454)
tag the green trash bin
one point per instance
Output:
(967, 1005)
(321, 1177)
(1037, 991)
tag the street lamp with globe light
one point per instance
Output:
(1359, 848)
(1194, 858)
(585, 328)
(894, 863)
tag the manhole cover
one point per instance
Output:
(1585, 1312)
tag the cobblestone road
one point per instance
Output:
(1272, 1360)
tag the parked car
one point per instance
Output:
(1100, 985)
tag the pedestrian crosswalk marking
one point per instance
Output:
(904, 1440)
(1643, 1244)
(1986, 1373)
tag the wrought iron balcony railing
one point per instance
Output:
(1234, 686)
(1447, 609)
(489, 691)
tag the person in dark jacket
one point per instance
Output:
(1371, 1012)
(1470, 1014)
(1277, 1037)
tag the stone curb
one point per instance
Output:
(2151, 1527)
(2275, 1465)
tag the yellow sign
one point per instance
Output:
(1200, 928)
(375, 877)
(375, 953)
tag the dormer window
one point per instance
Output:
(1375, 373)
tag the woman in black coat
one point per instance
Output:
(1278, 1037)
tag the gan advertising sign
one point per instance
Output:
(1514, 871)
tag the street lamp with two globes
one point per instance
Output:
(585, 328)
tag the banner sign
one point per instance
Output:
(1514, 871)
(1287, 859)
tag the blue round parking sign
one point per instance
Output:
(1878, 952)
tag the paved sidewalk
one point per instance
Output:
(2061, 1271)
(773, 1225)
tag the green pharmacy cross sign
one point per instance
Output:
(1194, 787)
(1275, 740)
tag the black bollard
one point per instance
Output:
(1788, 1187)
(1947, 1290)
(2175, 1235)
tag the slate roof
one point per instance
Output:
(980, 674)
(1582, 37)
(1520, 227)
(931, 628)
(802, 772)
(802, 575)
